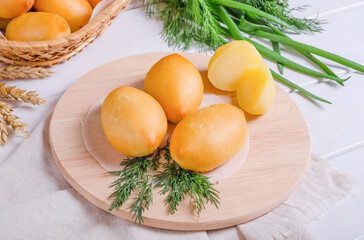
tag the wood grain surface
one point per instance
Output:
(279, 152)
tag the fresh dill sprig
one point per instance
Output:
(187, 23)
(144, 198)
(133, 177)
(179, 183)
(174, 180)
(155, 161)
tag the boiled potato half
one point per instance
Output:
(256, 91)
(134, 123)
(209, 137)
(230, 62)
(37, 26)
(14, 8)
(176, 84)
(76, 12)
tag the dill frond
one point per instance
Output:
(155, 160)
(133, 177)
(281, 9)
(175, 181)
(144, 198)
(179, 183)
(187, 23)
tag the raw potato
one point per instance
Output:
(14, 8)
(256, 91)
(230, 62)
(208, 137)
(93, 3)
(176, 84)
(134, 123)
(37, 26)
(76, 12)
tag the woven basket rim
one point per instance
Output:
(63, 41)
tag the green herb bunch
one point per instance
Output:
(184, 26)
(208, 24)
(175, 181)
(179, 183)
(133, 177)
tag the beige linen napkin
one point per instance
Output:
(36, 202)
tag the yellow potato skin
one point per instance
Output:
(93, 3)
(229, 62)
(37, 26)
(14, 8)
(134, 123)
(76, 12)
(256, 91)
(176, 84)
(208, 137)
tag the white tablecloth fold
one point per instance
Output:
(36, 202)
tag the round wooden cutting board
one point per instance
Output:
(279, 152)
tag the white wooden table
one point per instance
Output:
(337, 130)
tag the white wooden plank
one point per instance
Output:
(321, 8)
(336, 126)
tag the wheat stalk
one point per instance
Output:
(12, 92)
(7, 118)
(12, 120)
(21, 72)
(3, 132)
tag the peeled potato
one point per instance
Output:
(134, 123)
(37, 26)
(93, 3)
(176, 84)
(76, 12)
(208, 137)
(230, 62)
(14, 8)
(256, 91)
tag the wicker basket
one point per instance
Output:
(53, 52)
